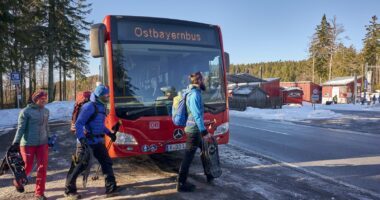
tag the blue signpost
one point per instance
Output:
(15, 80)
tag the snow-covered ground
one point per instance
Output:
(350, 107)
(306, 112)
(59, 110)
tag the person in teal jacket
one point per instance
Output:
(195, 130)
(32, 139)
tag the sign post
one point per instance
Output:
(315, 97)
(15, 80)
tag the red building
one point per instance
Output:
(292, 95)
(342, 87)
(271, 86)
(306, 86)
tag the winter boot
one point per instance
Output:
(41, 197)
(210, 179)
(113, 192)
(185, 187)
(72, 196)
(19, 187)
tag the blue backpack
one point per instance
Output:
(179, 110)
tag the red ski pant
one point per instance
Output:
(41, 153)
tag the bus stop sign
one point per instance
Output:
(315, 97)
(15, 78)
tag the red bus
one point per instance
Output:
(146, 63)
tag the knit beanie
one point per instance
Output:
(38, 94)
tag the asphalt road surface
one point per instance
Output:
(361, 121)
(346, 156)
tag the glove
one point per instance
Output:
(116, 127)
(51, 141)
(83, 142)
(15, 147)
(204, 133)
(112, 136)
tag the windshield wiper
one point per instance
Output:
(215, 108)
(134, 112)
(210, 107)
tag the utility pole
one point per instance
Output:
(355, 87)
(261, 75)
(365, 81)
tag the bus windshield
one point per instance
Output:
(148, 76)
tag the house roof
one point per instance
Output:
(271, 79)
(341, 80)
(246, 90)
(243, 78)
(291, 88)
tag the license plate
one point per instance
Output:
(175, 147)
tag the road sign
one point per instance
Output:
(315, 97)
(15, 78)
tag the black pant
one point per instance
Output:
(101, 154)
(194, 141)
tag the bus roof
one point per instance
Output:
(162, 20)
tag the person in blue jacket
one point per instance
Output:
(90, 132)
(195, 130)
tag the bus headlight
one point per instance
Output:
(221, 129)
(125, 139)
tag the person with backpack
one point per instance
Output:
(374, 99)
(194, 129)
(32, 140)
(90, 131)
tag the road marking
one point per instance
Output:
(335, 130)
(262, 129)
(306, 171)
(359, 161)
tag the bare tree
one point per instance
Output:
(336, 30)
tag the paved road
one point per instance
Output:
(361, 121)
(350, 157)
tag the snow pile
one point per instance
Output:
(287, 113)
(244, 90)
(59, 110)
(8, 118)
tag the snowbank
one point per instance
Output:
(296, 112)
(287, 113)
(59, 110)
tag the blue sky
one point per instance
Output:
(253, 31)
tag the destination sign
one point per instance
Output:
(134, 31)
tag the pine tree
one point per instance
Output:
(321, 47)
(371, 50)
(72, 22)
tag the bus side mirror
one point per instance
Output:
(227, 59)
(97, 39)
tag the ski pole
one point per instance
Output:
(115, 128)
